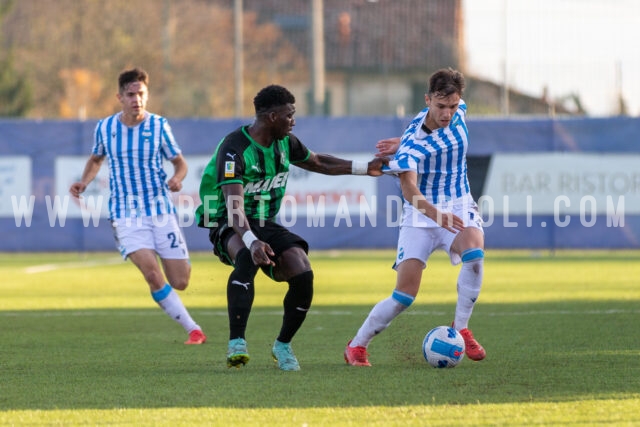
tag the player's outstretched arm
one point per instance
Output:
(330, 165)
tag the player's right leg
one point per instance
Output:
(240, 295)
(237, 353)
(378, 320)
(414, 246)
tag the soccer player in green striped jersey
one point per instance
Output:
(241, 191)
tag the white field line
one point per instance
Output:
(44, 268)
(107, 312)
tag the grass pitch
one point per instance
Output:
(82, 343)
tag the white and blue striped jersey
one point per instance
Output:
(438, 158)
(135, 157)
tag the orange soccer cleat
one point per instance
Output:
(473, 349)
(196, 337)
(356, 356)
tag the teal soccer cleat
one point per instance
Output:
(237, 354)
(283, 354)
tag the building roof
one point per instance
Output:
(382, 35)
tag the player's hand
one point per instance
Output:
(77, 188)
(174, 184)
(449, 221)
(261, 253)
(387, 147)
(374, 167)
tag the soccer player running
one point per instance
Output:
(439, 212)
(143, 217)
(242, 188)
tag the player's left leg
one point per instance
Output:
(172, 304)
(469, 244)
(136, 240)
(163, 294)
(293, 267)
(171, 247)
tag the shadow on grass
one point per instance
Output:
(137, 359)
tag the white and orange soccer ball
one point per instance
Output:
(443, 347)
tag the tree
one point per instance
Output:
(15, 92)
(82, 88)
(185, 45)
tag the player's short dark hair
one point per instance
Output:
(132, 75)
(446, 81)
(272, 96)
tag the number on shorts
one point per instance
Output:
(175, 239)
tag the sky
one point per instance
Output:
(586, 47)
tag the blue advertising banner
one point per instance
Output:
(540, 183)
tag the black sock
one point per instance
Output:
(240, 293)
(297, 302)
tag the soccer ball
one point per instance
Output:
(443, 347)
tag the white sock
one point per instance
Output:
(380, 318)
(170, 302)
(469, 284)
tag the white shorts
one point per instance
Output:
(160, 233)
(420, 242)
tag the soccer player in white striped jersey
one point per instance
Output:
(143, 217)
(439, 212)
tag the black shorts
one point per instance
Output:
(279, 238)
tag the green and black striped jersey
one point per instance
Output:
(262, 171)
